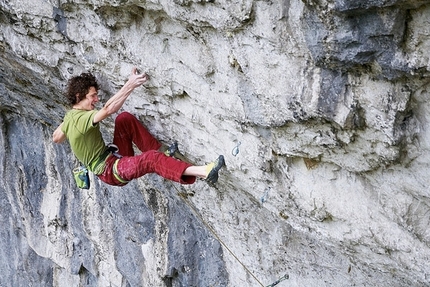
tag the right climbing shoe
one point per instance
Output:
(213, 169)
(173, 148)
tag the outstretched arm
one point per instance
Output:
(58, 136)
(116, 102)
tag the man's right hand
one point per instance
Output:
(136, 79)
(115, 103)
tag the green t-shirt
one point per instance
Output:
(85, 138)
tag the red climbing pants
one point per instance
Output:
(128, 131)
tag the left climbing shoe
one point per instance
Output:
(213, 169)
(172, 149)
(169, 150)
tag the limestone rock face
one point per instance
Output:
(321, 109)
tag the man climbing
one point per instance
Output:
(81, 127)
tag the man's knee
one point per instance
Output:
(124, 117)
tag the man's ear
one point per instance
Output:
(77, 98)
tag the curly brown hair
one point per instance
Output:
(79, 86)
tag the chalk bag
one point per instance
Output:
(82, 177)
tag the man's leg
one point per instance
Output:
(131, 167)
(129, 130)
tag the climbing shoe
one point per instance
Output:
(169, 150)
(172, 149)
(213, 169)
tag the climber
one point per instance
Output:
(81, 127)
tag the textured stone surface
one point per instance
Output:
(326, 101)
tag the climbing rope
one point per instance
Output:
(195, 211)
(216, 235)
(285, 277)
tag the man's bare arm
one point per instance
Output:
(58, 136)
(116, 102)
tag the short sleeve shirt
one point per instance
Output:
(84, 137)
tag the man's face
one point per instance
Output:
(90, 99)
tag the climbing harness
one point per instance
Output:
(190, 205)
(235, 150)
(98, 165)
(115, 173)
(81, 174)
(113, 149)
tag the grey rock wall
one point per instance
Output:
(320, 108)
